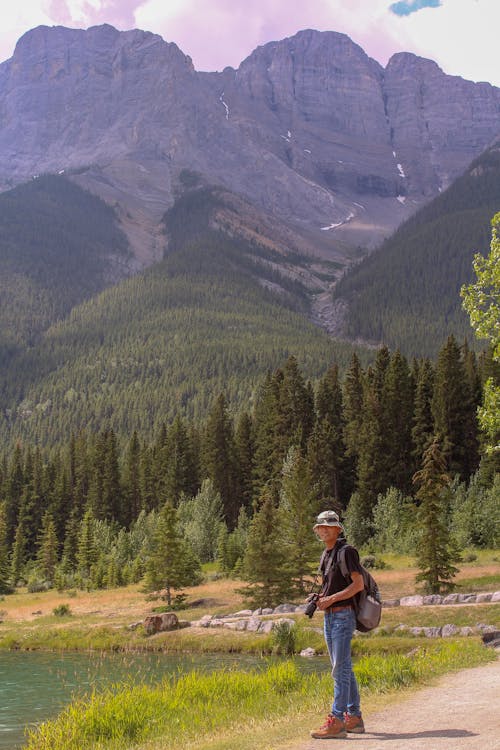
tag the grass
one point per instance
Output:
(99, 619)
(204, 709)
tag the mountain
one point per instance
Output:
(407, 293)
(52, 257)
(213, 316)
(308, 130)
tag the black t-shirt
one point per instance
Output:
(334, 581)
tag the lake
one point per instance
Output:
(35, 686)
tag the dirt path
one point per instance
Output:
(460, 712)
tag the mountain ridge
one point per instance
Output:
(309, 129)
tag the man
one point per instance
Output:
(335, 601)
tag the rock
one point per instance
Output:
(432, 632)
(158, 623)
(308, 652)
(267, 626)
(285, 609)
(466, 630)
(38, 612)
(433, 599)
(495, 597)
(257, 612)
(466, 598)
(401, 627)
(412, 601)
(216, 622)
(254, 624)
(267, 611)
(483, 597)
(390, 603)
(449, 630)
(415, 631)
(450, 599)
(134, 625)
(236, 625)
(243, 613)
(492, 638)
(486, 628)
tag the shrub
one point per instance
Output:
(62, 610)
(284, 638)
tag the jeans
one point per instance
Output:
(339, 629)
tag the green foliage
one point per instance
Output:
(407, 292)
(394, 523)
(482, 301)
(62, 610)
(172, 564)
(201, 521)
(475, 514)
(435, 555)
(284, 638)
(51, 256)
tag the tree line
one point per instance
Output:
(98, 511)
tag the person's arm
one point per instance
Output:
(355, 587)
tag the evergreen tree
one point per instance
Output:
(454, 412)
(219, 459)
(172, 564)
(353, 415)
(266, 420)
(326, 447)
(132, 481)
(264, 564)
(87, 553)
(396, 419)
(13, 490)
(423, 423)
(435, 556)
(371, 462)
(245, 449)
(5, 587)
(297, 510)
(47, 550)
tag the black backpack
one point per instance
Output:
(368, 603)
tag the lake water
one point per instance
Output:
(36, 686)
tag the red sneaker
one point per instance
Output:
(354, 724)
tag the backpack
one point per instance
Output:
(367, 604)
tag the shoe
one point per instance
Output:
(354, 724)
(332, 729)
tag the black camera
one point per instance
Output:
(312, 604)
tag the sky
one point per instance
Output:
(460, 35)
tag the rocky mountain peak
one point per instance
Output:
(309, 128)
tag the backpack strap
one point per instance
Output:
(341, 561)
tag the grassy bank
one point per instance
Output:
(200, 710)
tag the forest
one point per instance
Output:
(406, 293)
(104, 509)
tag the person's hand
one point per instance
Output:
(326, 601)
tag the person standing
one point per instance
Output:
(336, 601)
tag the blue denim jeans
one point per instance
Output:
(339, 629)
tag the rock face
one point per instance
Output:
(308, 128)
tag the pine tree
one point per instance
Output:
(454, 412)
(297, 510)
(396, 418)
(5, 587)
(172, 564)
(245, 450)
(353, 407)
(371, 478)
(423, 423)
(264, 564)
(87, 553)
(435, 556)
(132, 481)
(219, 459)
(47, 551)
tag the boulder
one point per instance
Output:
(412, 601)
(495, 597)
(158, 623)
(466, 598)
(243, 613)
(308, 652)
(433, 599)
(390, 603)
(282, 609)
(266, 626)
(467, 631)
(450, 599)
(415, 631)
(254, 624)
(432, 632)
(449, 630)
(483, 597)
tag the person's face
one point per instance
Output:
(328, 534)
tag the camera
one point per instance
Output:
(312, 604)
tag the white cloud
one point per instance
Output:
(460, 35)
